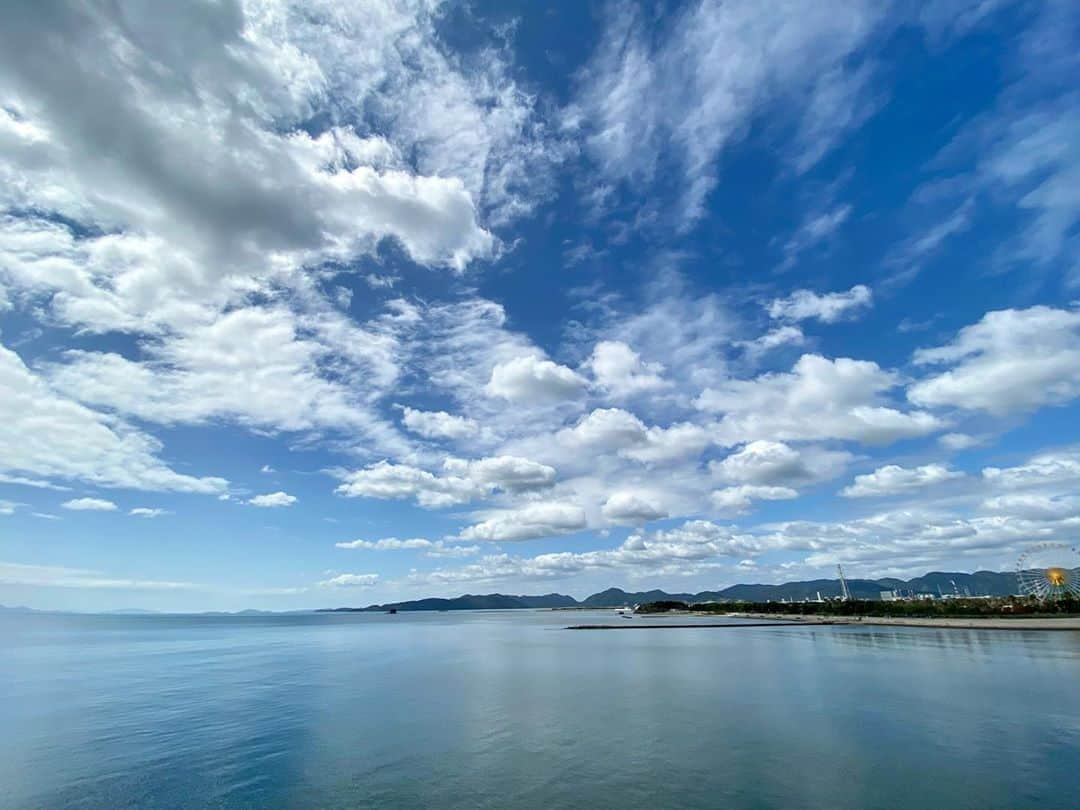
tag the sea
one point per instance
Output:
(508, 709)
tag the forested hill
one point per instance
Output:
(981, 583)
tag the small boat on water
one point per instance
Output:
(392, 611)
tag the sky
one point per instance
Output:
(333, 303)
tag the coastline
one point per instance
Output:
(957, 623)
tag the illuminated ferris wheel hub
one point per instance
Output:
(1049, 571)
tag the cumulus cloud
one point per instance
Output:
(533, 520)
(350, 581)
(464, 481)
(389, 481)
(633, 508)
(1032, 501)
(680, 441)
(1053, 468)
(604, 430)
(738, 500)
(196, 205)
(252, 75)
(1011, 360)
(769, 463)
(45, 434)
(260, 367)
(819, 399)
(665, 552)
(534, 379)
(621, 372)
(273, 499)
(438, 424)
(959, 441)
(804, 305)
(510, 473)
(895, 480)
(1035, 506)
(89, 505)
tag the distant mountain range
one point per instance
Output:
(981, 583)
(491, 601)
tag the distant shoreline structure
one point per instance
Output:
(936, 583)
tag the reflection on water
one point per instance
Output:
(984, 643)
(508, 709)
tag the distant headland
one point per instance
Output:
(938, 584)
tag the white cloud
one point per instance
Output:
(386, 544)
(738, 500)
(767, 463)
(959, 441)
(818, 399)
(258, 366)
(686, 331)
(1015, 166)
(621, 372)
(273, 499)
(44, 434)
(266, 469)
(438, 424)
(781, 336)
(147, 512)
(89, 505)
(48, 576)
(804, 305)
(533, 520)
(1039, 504)
(465, 481)
(604, 430)
(212, 237)
(509, 473)
(252, 76)
(7, 507)
(387, 480)
(1011, 360)
(1053, 468)
(1034, 506)
(653, 99)
(36, 483)
(667, 552)
(816, 228)
(350, 581)
(677, 442)
(432, 548)
(534, 379)
(633, 508)
(895, 480)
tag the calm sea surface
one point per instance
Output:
(506, 709)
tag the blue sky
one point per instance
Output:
(315, 304)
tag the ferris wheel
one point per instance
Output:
(1049, 571)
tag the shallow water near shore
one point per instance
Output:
(508, 709)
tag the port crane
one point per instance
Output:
(845, 594)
